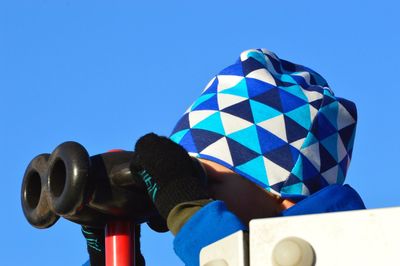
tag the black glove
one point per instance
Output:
(96, 247)
(170, 175)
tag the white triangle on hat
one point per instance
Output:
(209, 84)
(312, 95)
(276, 126)
(275, 173)
(228, 81)
(226, 100)
(196, 117)
(219, 150)
(331, 175)
(263, 75)
(312, 154)
(233, 123)
(298, 143)
(341, 149)
(344, 118)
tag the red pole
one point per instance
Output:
(120, 238)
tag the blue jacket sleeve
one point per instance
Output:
(211, 223)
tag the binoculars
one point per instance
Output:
(88, 190)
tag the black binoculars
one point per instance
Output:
(88, 190)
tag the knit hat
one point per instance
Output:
(274, 122)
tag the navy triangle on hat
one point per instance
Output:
(343, 164)
(210, 104)
(309, 171)
(290, 101)
(268, 141)
(294, 131)
(322, 128)
(257, 87)
(275, 64)
(239, 153)
(182, 124)
(204, 138)
(327, 100)
(271, 98)
(278, 186)
(292, 180)
(316, 104)
(346, 134)
(315, 183)
(235, 70)
(327, 160)
(282, 156)
(288, 66)
(242, 110)
(188, 142)
(251, 64)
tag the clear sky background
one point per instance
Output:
(104, 73)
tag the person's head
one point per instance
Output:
(273, 122)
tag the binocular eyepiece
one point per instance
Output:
(88, 190)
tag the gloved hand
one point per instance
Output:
(96, 247)
(170, 175)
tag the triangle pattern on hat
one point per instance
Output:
(233, 123)
(240, 154)
(196, 117)
(226, 100)
(211, 86)
(177, 136)
(282, 157)
(271, 98)
(228, 81)
(240, 89)
(268, 141)
(187, 141)
(347, 135)
(206, 102)
(322, 128)
(327, 161)
(344, 118)
(295, 189)
(212, 123)
(247, 137)
(294, 131)
(256, 169)
(295, 90)
(182, 124)
(331, 145)
(313, 96)
(219, 150)
(241, 109)
(298, 143)
(256, 87)
(275, 172)
(235, 69)
(331, 174)
(301, 115)
(290, 102)
(204, 138)
(257, 55)
(262, 112)
(276, 126)
(331, 112)
(313, 155)
(251, 64)
(263, 75)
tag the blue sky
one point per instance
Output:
(103, 74)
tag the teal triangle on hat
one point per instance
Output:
(262, 112)
(177, 137)
(330, 143)
(212, 123)
(298, 168)
(239, 89)
(296, 189)
(247, 137)
(288, 78)
(259, 56)
(310, 140)
(296, 90)
(331, 113)
(202, 99)
(301, 115)
(256, 169)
